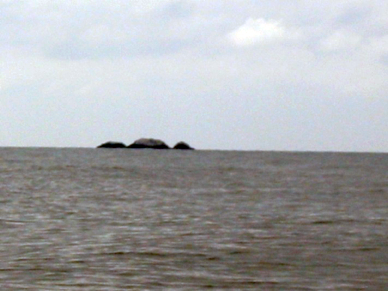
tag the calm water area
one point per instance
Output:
(100, 219)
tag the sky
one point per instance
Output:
(289, 75)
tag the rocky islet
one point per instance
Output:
(146, 143)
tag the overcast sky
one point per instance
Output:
(218, 74)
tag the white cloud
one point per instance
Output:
(380, 44)
(100, 34)
(255, 31)
(340, 40)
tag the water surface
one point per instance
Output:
(98, 219)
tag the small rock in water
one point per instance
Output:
(112, 145)
(182, 146)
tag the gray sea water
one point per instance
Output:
(98, 219)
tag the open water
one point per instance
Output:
(98, 219)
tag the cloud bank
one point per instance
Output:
(282, 75)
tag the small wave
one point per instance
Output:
(323, 222)
(359, 249)
(336, 221)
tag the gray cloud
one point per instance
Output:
(97, 70)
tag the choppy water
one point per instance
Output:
(96, 219)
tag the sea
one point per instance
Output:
(122, 219)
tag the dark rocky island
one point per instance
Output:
(182, 146)
(149, 143)
(146, 143)
(112, 145)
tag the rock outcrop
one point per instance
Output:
(112, 145)
(149, 143)
(146, 143)
(182, 146)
